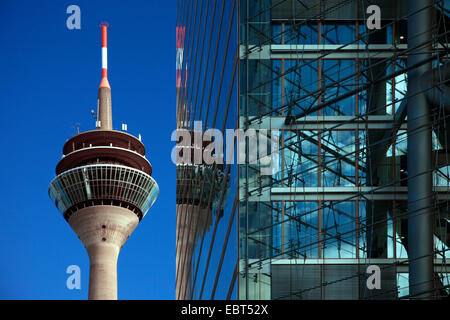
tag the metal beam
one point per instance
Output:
(327, 123)
(336, 193)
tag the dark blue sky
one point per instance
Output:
(49, 77)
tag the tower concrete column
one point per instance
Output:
(103, 271)
(190, 224)
(103, 230)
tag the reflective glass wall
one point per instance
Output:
(206, 86)
(332, 94)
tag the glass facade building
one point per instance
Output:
(331, 92)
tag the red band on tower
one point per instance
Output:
(104, 32)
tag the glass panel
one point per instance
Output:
(300, 158)
(337, 80)
(338, 230)
(338, 154)
(401, 83)
(403, 284)
(276, 83)
(300, 85)
(376, 229)
(276, 33)
(301, 230)
(301, 33)
(338, 33)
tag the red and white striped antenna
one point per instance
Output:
(104, 113)
(104, 82)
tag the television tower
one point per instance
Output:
(103, 188)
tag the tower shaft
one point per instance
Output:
(187, 220)
(192, 220)
(103, 272)
(104, 108)
(103, 230)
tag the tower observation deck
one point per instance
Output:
(103, 188)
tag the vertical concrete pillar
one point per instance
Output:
(420, 195)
